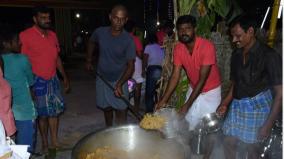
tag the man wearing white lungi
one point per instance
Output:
(198, 57)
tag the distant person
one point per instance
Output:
(166, 30)
(18, 72)
(6, 114)
(41, 46)
(137, 75)
(152, 64)
(115, 65)
(79, 42)
(197, 56)
(256, 72)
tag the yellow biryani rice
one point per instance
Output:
(113, 153)
(151, 121)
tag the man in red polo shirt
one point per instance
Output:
(42, 48)
(198, 57)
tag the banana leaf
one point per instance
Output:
(221, 7)
(204, 25)
(235, 11)
(185, 6)
(181, 90)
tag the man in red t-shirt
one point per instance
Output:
(166, 30)
(198, 57)
(41, 46)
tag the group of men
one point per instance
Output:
(256, 71)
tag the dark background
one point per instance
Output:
(21, 17)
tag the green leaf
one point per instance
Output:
(234, 12)
(211, 4)
(204, 25)
(181, 90)
(185, 6)
(222, 7)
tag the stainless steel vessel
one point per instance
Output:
(133, 139)
(211, 122)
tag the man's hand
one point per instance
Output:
(263, 132)
(160, 105)
(89, 66)
(118, 90)
(221, 110)
(66, 83)
(183, 110)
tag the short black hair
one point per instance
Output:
(186, 19)
(40, 9)
(245, 22)
(117, 7)
(152, 38)
(7, 34)
(168, 24)
(129, 26)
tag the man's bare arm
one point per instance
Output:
(171, 86)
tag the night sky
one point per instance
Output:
(257, 8)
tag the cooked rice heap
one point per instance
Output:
(114, 153)
(151, 121)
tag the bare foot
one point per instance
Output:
(57, 146)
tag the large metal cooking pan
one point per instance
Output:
(130, 138)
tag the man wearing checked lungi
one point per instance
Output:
(115, 65)
(256, 72)
(41, 46)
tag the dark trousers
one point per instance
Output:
(153, 74)
(26, 134)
